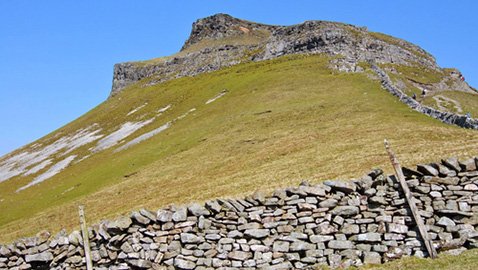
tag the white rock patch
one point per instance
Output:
(124, 131)
(144, 137)
(164, 109)
(55, 169)
(223, 92)
(137, 109)
(38, 167)
(185, 114)
(19, 163)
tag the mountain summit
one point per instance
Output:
(222, 40)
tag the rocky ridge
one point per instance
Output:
(446, 117)
(220, 40)
(337, 223)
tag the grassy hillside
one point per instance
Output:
(279, 122)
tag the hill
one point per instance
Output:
(242, 106)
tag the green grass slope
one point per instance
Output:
(281, 121)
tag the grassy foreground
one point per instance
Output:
(280, 122)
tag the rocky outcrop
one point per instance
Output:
(221, 40)
(337, 223)
(446, 117)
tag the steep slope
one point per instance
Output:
(255, 125)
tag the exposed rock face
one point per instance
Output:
(446, 117)
(221, 26)
(365, 221)
(221, 40)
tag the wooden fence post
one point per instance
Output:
(86, 239)
(409, 197)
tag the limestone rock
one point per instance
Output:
(257, 233)
(39, 257)
(344, 186)
(345, 211)
(340, 244)
(198, 210)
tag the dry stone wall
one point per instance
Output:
(337, 223)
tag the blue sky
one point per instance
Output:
(57, 57)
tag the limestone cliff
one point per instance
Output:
(221, 40)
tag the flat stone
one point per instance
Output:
(369, 237)
(39, 257)
(427, 170)
(140, 218)
(142, 264)
(4, 251)
(344, 186)
(442, 180)
(345, 211)
(444, 221)
(214, 206)
(127, 248)
(397, 228)
(320, 238)
(452, 163)
(120, 224)
(340, 244)
(189, 238)
(350, 229)
(471, 187)
(301, 246)
(281, 246)
(314, 191)
(239, 255)
(152, 216)
(379, 200)
(180, 214)
(468, 165)
(455, 212)
(198, 210)
(75, 238)
(184, 264)
(257, 233)
(329, 203)
(422, 189)
(304, 220)
(372, 258)
(164, 216)
(444, 170)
